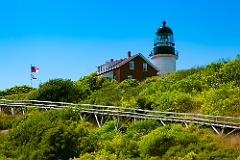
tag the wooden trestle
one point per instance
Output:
(222, 125)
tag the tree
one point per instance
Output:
(128, 83)
(93, 82)
(231, 71)
(164, 139)
(59, 90)
(51, 135)
(16, 92)
(189, 84)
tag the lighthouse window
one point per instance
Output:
(164, 39)
(131, 65)
(144, 66)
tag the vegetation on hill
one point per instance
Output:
(60, 134)
(213, 89)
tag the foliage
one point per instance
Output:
(59, 134)
(212, 74)
(190, 84)
(144, 103)
(142, 127)
(231, 71)
(182, 74)
(213, 89)
(100, 155)
(7, 121)
(161, 140)
(175, 102)
(222, 101)
(58, 90)
(128, 83)
(49, 135)
(190, 156)
(16, 92)
(93, 82)
(107, 95)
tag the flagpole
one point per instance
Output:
(33, 70)
(31, 74)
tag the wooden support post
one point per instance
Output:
(126, 121)
(107, 118)
(215, 130)
(23, 110)
(115, 125)
(222, 131)
(97, 120)
(186, 124)
(101, 121)
(87, 116)
(231, 131)
(116, 122)
(162, 123)
(81, 117)
(12, 110)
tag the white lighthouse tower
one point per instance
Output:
(164, 55)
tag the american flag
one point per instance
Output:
(34, 69)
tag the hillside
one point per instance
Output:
(60, 134)
(213, 89)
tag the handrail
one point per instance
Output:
(122, 110)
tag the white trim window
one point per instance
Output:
(129, 77)
(145, 67)
(131, 63)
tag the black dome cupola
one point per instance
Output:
(164, 29)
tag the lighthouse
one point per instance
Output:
(164, 55)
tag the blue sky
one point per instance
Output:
(68, 39)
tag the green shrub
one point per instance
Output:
(222, 101)
(175, 102)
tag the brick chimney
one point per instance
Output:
(129, 54)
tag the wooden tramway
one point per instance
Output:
(102, 114)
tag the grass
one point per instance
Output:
(231, 141)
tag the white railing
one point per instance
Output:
(202, 119)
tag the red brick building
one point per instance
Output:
(133, 67)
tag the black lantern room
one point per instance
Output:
(164, 42)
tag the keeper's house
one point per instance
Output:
(133, 67)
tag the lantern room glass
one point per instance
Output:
(164, 39)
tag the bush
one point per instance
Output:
(222, 101)
(58, 90)
(190, 84)
(50, 135)
(175, 102)
(7, 121)
(159, 141)
(128, 83)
